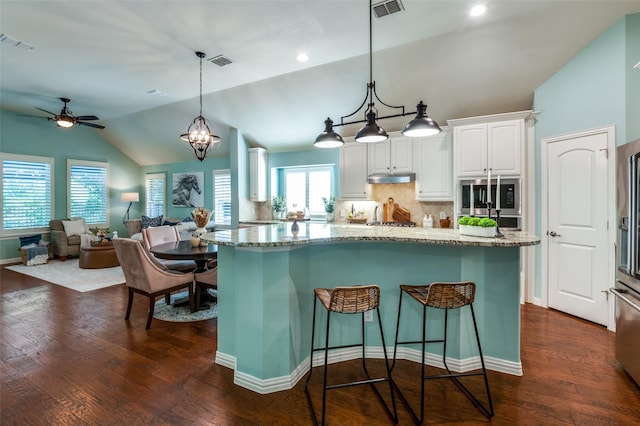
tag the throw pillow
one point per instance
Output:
(151, 222)
(167, 222)
(73, 227)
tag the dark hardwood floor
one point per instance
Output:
(70, 358)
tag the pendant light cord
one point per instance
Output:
(200, 83)
(370, 55)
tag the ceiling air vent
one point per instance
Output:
(387, 8)
(220, 60)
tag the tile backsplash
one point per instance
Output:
(403, 194)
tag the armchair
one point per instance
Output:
(64, 244)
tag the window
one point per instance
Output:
(155, 185)
(27, 193)
(222, 196)
(304, 187)
(88, 191)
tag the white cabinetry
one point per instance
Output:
(483, 146)
(257, 174)
(353, 171)
(433, 158)
(395, 155)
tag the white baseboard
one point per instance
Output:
(289, 381)
(12, 260)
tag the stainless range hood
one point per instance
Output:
(392, 178)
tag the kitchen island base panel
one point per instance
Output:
(266, 301)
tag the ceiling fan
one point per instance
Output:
(66, 118)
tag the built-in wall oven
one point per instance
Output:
(510, 209)
(627, 286)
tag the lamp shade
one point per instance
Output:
(422, 125)
(131, 197)
(371, 132)
(328, 138)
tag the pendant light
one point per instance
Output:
(420, 126)
(199, 135)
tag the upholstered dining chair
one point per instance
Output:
(144, 277)
(206, 279)
(160, 235)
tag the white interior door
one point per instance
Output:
(578, 238)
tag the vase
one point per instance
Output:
(198, 233)
(331, 216)
(295, 228)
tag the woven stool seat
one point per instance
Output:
(442, 295)
(348, 300)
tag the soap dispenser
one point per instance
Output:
(427, 222)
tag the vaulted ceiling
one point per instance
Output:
(132, 63)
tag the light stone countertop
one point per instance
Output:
(275, 235)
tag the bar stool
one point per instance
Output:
(442, 295)
(348, 300)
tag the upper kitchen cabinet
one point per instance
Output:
(433, 158)
(257, 174)
(353, 171)
(490, 142)
(395, 155)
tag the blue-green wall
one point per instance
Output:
(595, 89)
(30, 136)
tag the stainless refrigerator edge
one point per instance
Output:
(627, 286)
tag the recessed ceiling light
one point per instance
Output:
(302, 57)
(478, 10)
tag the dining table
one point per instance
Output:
(201, 255)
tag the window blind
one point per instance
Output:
(88, 191)
(222, 196)
(27, 188)
(155, 188)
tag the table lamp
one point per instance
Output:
(131, 197)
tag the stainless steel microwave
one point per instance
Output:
(509, 197)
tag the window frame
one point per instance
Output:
(5, 156)
(107, 189)
(314, 215)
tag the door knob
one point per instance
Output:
(553, 234)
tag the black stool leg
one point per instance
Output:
(306, 384)
(326, 367)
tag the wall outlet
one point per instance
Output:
(443, 215)
(342, 213)
(368, 316)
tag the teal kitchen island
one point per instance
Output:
(266, 277)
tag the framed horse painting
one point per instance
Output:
(187, 189)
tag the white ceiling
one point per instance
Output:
(107, 55)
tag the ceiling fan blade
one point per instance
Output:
(48, 112)
(87, 117)
(97, 126)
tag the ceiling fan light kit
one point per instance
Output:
(421, 126)
(199, 135)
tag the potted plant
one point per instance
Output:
(329, 205)
(476, 226)
(278, 204)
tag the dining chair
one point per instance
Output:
(205, 280)
(154, 236)
(144, 277)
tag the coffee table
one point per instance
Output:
(97, 256)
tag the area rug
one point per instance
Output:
(166, 312)
(69, 275)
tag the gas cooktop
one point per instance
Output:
(400, 224)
